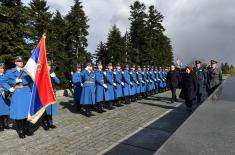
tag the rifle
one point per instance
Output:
(19, 77)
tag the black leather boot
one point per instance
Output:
(50, 122)
(44, 122)
(6, 122)
(27, 128)
(20, 129)
(1, 123)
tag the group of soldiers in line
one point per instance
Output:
(114, 85)
(93, 88)
(15, 95)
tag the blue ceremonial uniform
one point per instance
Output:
(4, 106)
(53, 109)
(77, 81)
(134, 83)
(99, 81)
(139, 79)
(149, 84)
(144, 85)
(156, 79)
(161, 82)
(152, 77)
(118, 89)
(20, 100)
(109, 93)
(126, 78)
(88, 91)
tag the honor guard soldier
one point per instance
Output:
(101, 87)
(127, 82)
(201, 80)
(133, 83)
(4, 102)
(161, 82)
(52, 109)
(152, 78)
(109, 93)
(20, 99)
(77, 82)
(144, 82)
(156, 82)
(120, 84)
(214, 76)
(88, 91)
(148, 81)
(139, 79)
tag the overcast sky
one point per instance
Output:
(199, 29)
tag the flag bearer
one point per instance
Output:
(51, 110)
(20, 99)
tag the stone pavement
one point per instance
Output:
(77, 134)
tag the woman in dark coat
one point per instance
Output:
(189, 87)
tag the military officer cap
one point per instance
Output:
(138, 66)
(126, 66)
(117, 65)
(197, 62)
(110, 64)
(89, 64)
(2, 64)
(78, 66)
(147, 66)
(99, 63)
(213, 62)
(19, 58)
(144, 66)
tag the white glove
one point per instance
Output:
(142, 81)
(158, 79)
(137, 82)
(131, 83)
(82, 84)
(18, 80)
(114, 73)
(147, 80)
(122, 83)
(53, 75)
(105, 86)
(11, 90)
(105, 73)
(122, 72)
(155, 80)
(151, 81)
(114, 84)
(131, 73)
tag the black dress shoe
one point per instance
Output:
(52, 126)
(28, 133)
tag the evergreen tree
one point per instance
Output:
(101, 53)
(76, 33)
(55, 47)
(115, 45)
(40, 18)
(138, 30)
(12, 30)
(154, 31)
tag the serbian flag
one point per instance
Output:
(42, 91)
